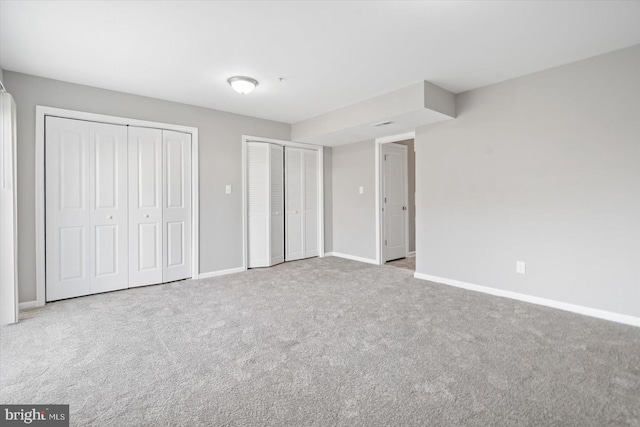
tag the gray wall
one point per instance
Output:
(328, 200)
(411, 169)
(543, 169)
(354, 222)
(220, 161)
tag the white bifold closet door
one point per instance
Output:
(86, 208)
(176, 214)
(301, 203)
(145, 206)
(265, 204)
(118, 207)
(159, 206)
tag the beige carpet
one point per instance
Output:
(321, 342)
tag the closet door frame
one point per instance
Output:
(41, 113)
(319, 149)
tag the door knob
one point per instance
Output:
(146, 216)
(109, 217)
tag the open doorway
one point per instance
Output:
(396, 201)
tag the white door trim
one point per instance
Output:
(378, 190)
(319, 148)
(41, 113)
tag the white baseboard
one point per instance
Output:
(28, 305)
(352, 257)
(587, 311)
(220, 272)
(411, 254)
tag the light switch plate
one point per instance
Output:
(228, 189)
(361, 190)
(521, 267)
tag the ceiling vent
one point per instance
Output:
(385, 123)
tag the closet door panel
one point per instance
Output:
(68, 208)
(145, 206)
(109, 212)
(277, 204)
(176, 230)
(258, 199)
(294, 203)
(311, 204)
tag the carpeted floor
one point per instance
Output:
(321, 342)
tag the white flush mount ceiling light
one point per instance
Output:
(242, 85)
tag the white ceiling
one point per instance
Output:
(331, 54)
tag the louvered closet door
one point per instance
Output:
(176, 230)
(294, 203)
(145, 206)
(86, 208)
(302, 203)
(265, 204)
(311, 244)
(258, 196)
(277, 204)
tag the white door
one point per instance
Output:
(68, 221)
(145, 206)
(86, 204)
(394, 193)
(294, 203)
(265, 204)
(176, 215)
(109, 214)
(258, 171)
(276, 183)
(302, 233)
(311, 204)
(8, 212)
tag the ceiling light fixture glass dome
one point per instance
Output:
(242, 84)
